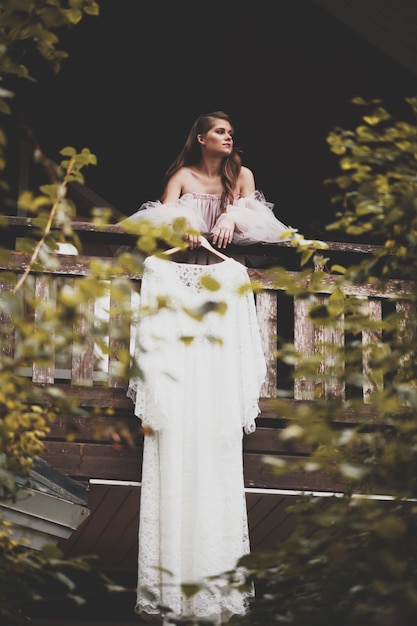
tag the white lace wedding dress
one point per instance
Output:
(203, 364)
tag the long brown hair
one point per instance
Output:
(191, 155)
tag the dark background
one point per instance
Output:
(140, 73)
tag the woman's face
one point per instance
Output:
(218, 141)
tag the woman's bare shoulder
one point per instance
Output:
(181, 175)
(245, 174)
(177, 185)
(246, 181)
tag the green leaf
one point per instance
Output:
(210, 283)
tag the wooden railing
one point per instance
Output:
(279, 315)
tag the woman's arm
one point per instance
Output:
(222, 232)
(173, 191)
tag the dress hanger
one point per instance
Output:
(204, 244)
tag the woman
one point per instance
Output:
(208, 185)
(201, 383)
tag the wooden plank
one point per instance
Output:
(123, 523)
(7, 330)
(261, 475)
(117, 513)
(407, 321)
(77, 543)
(83, 461)
(45, 291)
(98, 427)
(20, 223)
(114, 401)
(346, 414)
(319, 348)
(82, 369)
(80, 266)
(267, 440)
(96, 397)
(267, 519)
(328, 341)
(114, 510)
(304, 345)
(390, 289)
(118, 342)
(263, 439)
(334, 385)
(371, 338)
(266, 311)
(126, 550)
(266, 435)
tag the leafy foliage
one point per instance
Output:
(378, 186)
(28, 29)
(351, 558)
(26, 410)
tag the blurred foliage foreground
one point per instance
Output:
(352, 558)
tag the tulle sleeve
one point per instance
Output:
(255, 221)
(159, 213)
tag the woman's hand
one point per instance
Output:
(223, 230)
(193, 240)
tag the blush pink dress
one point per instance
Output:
(253, 215)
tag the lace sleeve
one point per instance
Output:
(255, 221)
(159, 213)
